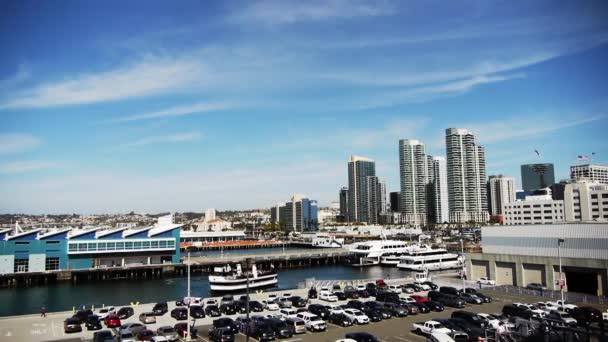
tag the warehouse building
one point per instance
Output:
(520, 255)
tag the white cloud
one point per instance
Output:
(162, 139)
(16, 143)
(25, 166)
(289, 12)
(146, 77)
(176, 111)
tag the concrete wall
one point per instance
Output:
(7, 264)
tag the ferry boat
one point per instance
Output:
(327, 241)
(371, 252)
(432, 259)
(392, 259)
(225, 279)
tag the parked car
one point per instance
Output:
(228, 308)
(160, 309)
(255, 306)
(298, 301)
(221, 335)
(104, 311)
(167, 332)
(423, 286)
(147, 317)
(340, 295)
(394, 288)
(270, 305)
(407, 289)
(328, 297)
(81, 315)
(341, 319)
(434, 305)
(312, 293)
(511, 310)
(355, 304)
(262, 331)
(373, 314)
(212, 301)
(470, 317)
(133, 327)
(428, 327)
(244, 324)
(225, 323)
(228, 298)
(284, 303)
(562, 317)
(357, 316)
(449, 290)
(432, 285)
(536, 287)
(112, 321)
(319, 310)
(180, 313)
(361, 337)
(280, 328)
(561, 305)
(125, 312)
(363, 293)
(93, 323)
(396, 310)
(312, 321)
(104, 336)
(486, 281)
(415, 287)
(125, 335)
(387, 296)
(471, 298)
(411, 308)
(298, 325)
(213, 311)
(182, 330)
(422, 308)
(536, 312)
(585, 315)
(419, 298)
(72, 325)
(145, 335)
(287, 313)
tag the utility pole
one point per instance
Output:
(561, 277)
(463, 264)
(189, 302)
(248, 265)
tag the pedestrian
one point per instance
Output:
(43, 311)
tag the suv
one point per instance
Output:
(262, 331)
(280, 327)
(160, 309)
(470, 317)
(340, 318)
(147, 317)
(312, 321)
(387, 296)
(517, 311)
(319, 310)
(225, 323)
(585, 315)
(221, 335)
(298, 301)
(298, 325)
(357, 316)
(168, 332)
(448, 290)
(93, 323)
(179, 313)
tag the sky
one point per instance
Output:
(155, 106)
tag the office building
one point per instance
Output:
(593, 172)
(300, 214)
(537, 176)
(376, 196)
(343, 214)
(501, 190)
(466, 169)
(438, 210)
(413, 174)
(533, 211)
(586, 201)
(359, 169)
(394, 201)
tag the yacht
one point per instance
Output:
(327, 241)
(225, 279)
(371, 252)
(393, 258)
(432, 259)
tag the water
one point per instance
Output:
(65, 296)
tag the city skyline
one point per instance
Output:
(233, 105)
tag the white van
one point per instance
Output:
(438, 336)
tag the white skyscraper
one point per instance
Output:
(501, 191)
(413, 174)
(359, 169)
(438, 190)
(466, 177)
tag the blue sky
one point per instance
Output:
(156, 106)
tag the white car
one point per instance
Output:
(424, 287)
(360, 287)
(407, 299)
(287, 313)
(211, 301)
(346, 340)
(270, 305)
(328, 296)
(274, 315)
(102, 313)
(312, 321)
(536, 311)
(489, 320)
(486, 281)
(335, 308)
(394, 288)
(357, 316)
(563, 305)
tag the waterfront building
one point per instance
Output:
(520, 255)
(501, 190)
(585, 201)
(466, 169)
(359, 169)
(537, 176)
(593, 172)
(413, 174)
(394, 201)
(190, 238)
(299, 214)
(343, 215)
(533, 210)
(438, 207)
(39, 250)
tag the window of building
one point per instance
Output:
(537, 218)
(547, 211)
(548, 217)
(537, 211)
(21, 265)
(577, 217)
(604, 195)
(596, 216)
(527, 212)
(53, 242)
(22, 243)
(51, 264)
(594, 203)
(593, 196)
(527, 206)
(536, 206)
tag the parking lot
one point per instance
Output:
(35, 328)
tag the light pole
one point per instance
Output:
(561, 277)
(189, 300)
(248, 265)
(463, 264)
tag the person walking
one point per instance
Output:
(43, 311)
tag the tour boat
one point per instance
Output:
(432, 259)
(225, 279)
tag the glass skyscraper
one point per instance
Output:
(537, 176)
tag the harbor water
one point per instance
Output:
(64, 296)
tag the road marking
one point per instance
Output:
(294, 340)
(204, 339)
(402, 339)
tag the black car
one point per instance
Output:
(434, 305)
(228, 308)
(341, 295)
(449, 290)
(226, 323)
(81, 315)
(72, 325)
(182, 328)
(411, 308)
(374, 314)
(371, 288)
(312, 293)
(196, 311)
(319, 310)
(431, 284)
(355, 304)
(180, 313)
(470, 317)
(160, 309)
(339, 318)
(361, 337)
(474, 331)
(103, 336)
(281, 329)
(585, 315)
(227, 299)
(93, 323)
(536, 286)
(243, 324)
(212, 310)
(484, 298)
(125, 312)
(240, 306)
(387, 296)
(511, 310)
(363, 294)
(255, 306)
(396, 310)
(422, 308)
(262, 331)
(416, 287)
(221, 335)
(298, 301)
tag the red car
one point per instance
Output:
(380, 283)
(419, 299)
(112, 321)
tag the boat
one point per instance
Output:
(392, 259)
(226, 279)
(432, 259)
(371, 252)
(327, 241)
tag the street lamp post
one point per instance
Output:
(561, 276)
(463, 264)
(248, 264)
(189, 300)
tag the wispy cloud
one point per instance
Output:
(289, 12)
(176, 111)
(165, 139)
(17, 167)
(145, 77)
(16, 143)
(22, 74)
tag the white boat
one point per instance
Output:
(327, 241)
(392, 259)
(225, 279)
(431, 260)
(371, 252)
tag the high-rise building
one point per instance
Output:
(359, 169)
(413, 173)
(585, 201)
(466, 168)
(376, 195)
(394, 199)
(593, 172)
(537, 176)
(343, 215)
(438, 210)
(501, 190)
(300, 214)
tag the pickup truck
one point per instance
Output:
(429, 327)
(486, 281)
(558, 304)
